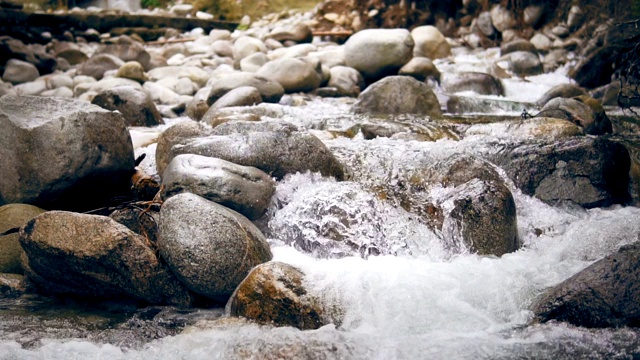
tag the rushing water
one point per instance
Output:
(416, 300)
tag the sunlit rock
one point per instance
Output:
(209, 247)
(246, 190)
(93, 256)
(376, 53)
(274, 293)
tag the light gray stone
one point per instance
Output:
(348, 81)
(378, 52)
(135, 105)
(294, 75)
(430, 43)
(18, 71)
(398, 95)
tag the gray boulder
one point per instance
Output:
(244, 189)
(430, 43)
(247, 45)
(588, 171)
(135, 105)
(13, 216)
(561, 91)
(587, 113)
(347, 81)
(62, 153)
(525, 63)
(176, 134)
(94, 256)
(605, 294)
(18, 71)
(271, 91)
(209, 247)
(420, 68)
(275, 151)
(481, 83)
(99, 64)
(398, 95)
(274, 294)
(376, 53)
(295, 75)
(241, 96)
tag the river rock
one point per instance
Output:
(94, 256)
(198, 106)
(247, 45)
(502, 18)
(277, 151)
(517, 45)
(480, 83)
(576, 17)
(376, 53)
(161, 94)
(541, 42)
(32, 88)
(209, 247)
(532, 14)
(240, 96)
(132, 70)
(194, 73)
(244, 189)
(294, 75)
(13, 216)
(104, 84)
(176, 134)
(35, 54)
(62, 153)
(69, 51)
(299, 33)
(12, 285)
(398, 95)
(98, 64)
(6, 88)
(588, 171)
(253, 62)
(135, 105)
(130, 51)
(430, 43)
(602, 295)
(561, 91)
(18, 71)
(142, 221)
(525, 63)
(61, 92)
(271, 91)
(60, 80)
(273, 293)
(588, 114)
(484, 24)
(347, 81)
(420, 68)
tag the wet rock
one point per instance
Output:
(271, 91)
(538, 127)
(193, 73)
(420, 68)
(588, 171)
(130, 51)
(247, 45)
(94, 256)
(398, 95)
(502, 18)
(299, 33)
(240, 96)
(98, 64)
(77, 155)
(464, 104)
(276, 152)
(561, 91)
(273, 293)
(376, 53)
(12, 285)
(244, 189)
(588, 113)
(602, 295)
(142, 221)
(294, 75)
(517, 45)
(135, 105)
(132, 70)
(253, 62)
(481, 83)
(430, 43)
(524, 63)
(13, 216)
(18, 71)
(176, 134)
(209, 247)
(347, 81)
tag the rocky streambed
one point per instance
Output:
(265, 194)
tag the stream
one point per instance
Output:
(418, 299)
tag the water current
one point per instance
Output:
(417, 299)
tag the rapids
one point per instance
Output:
(415, 300)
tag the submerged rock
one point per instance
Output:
(274, 293)
(605, 294)
(93, 256)
(244, 189)
(209, 247)
(59, 153)
(398, 95)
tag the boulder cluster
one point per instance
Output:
(68, 109)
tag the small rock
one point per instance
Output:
(270, 90)
(502, 18)
(560, 31)
(98, 64)
(541, 42)
(247, 45)
(135, 105)
(517, 45)
(420, 68)
(12, 285)
(575, 18)
(132, 70)
(294, 75)
(533, 14)
(300, 33)
(398, 95)
(347, 81)
(480, 83)
(18, 71)
(562, 91)
(240, 96)
(430, 43)
(484, 24)
(524, 63)
(253, 62)
(198, 106)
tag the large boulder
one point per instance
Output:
(376, 53)
(295, 75)
(398, 95)
(274, 294)
(588, 171)
(62, 153)
(481, 83)
(605, 294)
(587, 113)
(244, 189)
(209, 247)
(430, 43)
(135, 105)
(276, 151)
(94, 256)
(99, 64)
(13, 216)
(271, 91)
